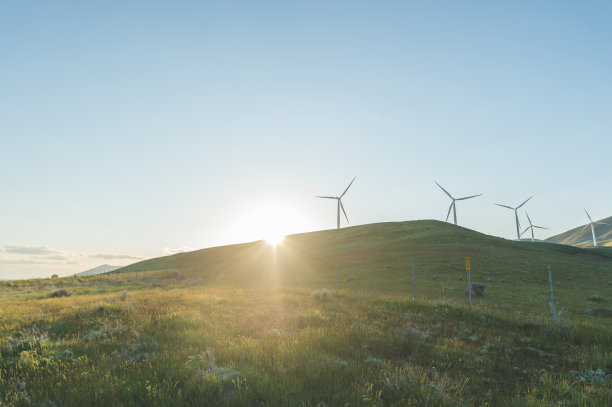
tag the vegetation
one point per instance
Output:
(252, 325)
(582, 236)
(60, 293)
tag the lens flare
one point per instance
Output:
(269, 222)
(275, 240)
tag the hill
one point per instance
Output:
(580, 237)
(382, 255)
(250, 324)
(105, 268)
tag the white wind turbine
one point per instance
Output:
(339, 199)
(452, 205)
(591, 223)
(531, 226)
(518, 225)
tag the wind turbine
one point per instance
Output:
(452, 205)
(591, 223)
(518, 225)
(339, 199)
(531, 226)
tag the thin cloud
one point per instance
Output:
(56, 257)
(32, 250)
(109, 256)
(44, 255)
(184, 249)
(14, 262)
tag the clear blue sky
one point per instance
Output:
(130, 131)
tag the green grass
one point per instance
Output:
(238, 325)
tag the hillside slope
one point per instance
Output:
(580, 237)
(379, 245)
(379, 256)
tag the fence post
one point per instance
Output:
(413, 283)
(469, 290)
(552, 293)
(336, 276)
(468, 268)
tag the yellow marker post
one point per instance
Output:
(468, 268)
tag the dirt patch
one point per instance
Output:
(594, 257)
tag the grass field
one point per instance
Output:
(252, 325)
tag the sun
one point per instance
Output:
(268, 222)
(274, 240)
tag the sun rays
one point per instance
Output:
(270, 222)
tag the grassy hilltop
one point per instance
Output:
(583, 237)
(254, 325)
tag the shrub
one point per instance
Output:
(409, 332)
(373, 361)
(477, 289)
(26, 339)
(54, 276)
(321, 295)
(325, 295)
(59, 293)
(589, 376)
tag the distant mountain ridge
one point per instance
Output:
(105, 268)
(580, 237)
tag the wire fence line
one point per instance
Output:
(555, 304)
(546, 296)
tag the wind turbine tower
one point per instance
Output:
(452, 205)
(531, 226)
(340, 206)
(518, 225)
(591, 223)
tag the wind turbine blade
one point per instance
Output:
(348, 187)
(584, 228)
(585, 211)
(528, 218)
(449, 209)
(523, 232)
(503, 206)
(524, 202)
(327, 197)
(468, 197)
(343, 211)
(445, 191)
(602, 223)
(540, 227)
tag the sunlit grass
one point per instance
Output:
(245, 327)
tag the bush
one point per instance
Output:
(409, 332)
(59, 293)
(26, 339)
(321, 295)
(477, 289)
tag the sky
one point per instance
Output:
(132, 130)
